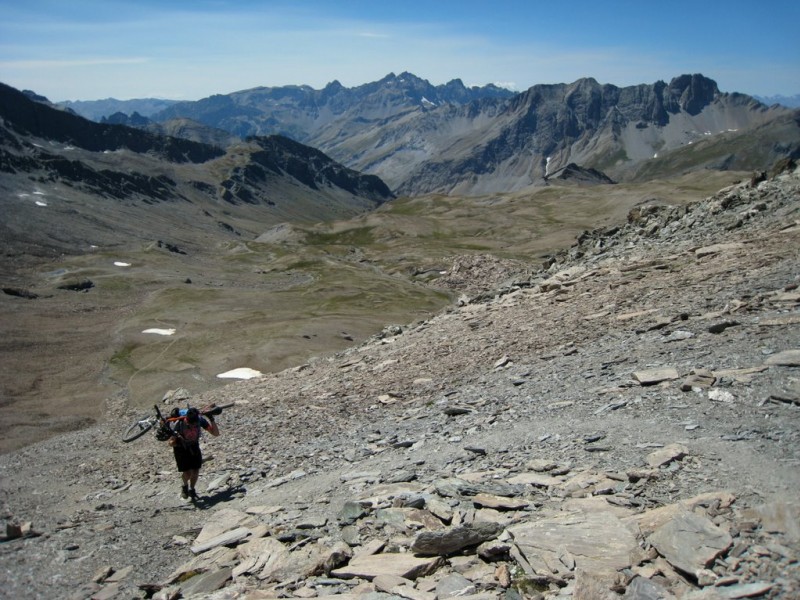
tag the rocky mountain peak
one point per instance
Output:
(692, 92)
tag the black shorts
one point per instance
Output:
(188, 457)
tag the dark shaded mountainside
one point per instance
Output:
(421, 138)
(112, 177)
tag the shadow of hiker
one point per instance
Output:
(225, 495)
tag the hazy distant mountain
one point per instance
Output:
(301, 111)
(95, 110)
(788, 101)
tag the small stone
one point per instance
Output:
(654, 376)
(666, 455)
(718, 395)
(722, 326)
(698, 378)
(455, 539)
(787, 358)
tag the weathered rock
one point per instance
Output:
(499, 502)
(535, 479)
(205, 582)
(666, 455)
(690, 542)
(596, 540)
(644, 589)
(457, 538)
(649, 521)
(654, 376)
(454, 585)
(223, 539)
(698, 378)
(716, 249)
(261, 557)
(778, 517)
(787, 358)
(403, 565)
(597, 584)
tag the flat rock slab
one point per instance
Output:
(206, 583)
(596, 541)
(535, 479)
(261, 557)
(442, 543)
(651, 520)
(404, 565)
(779, 517)
(654, 376)
(690, 542)
(744, 590)
(666, 455)
(222, 521)
(224, 539)
(498, 502)
(787, 358)
(717, 249)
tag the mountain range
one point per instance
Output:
(451, 139)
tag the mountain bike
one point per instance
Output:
(144, 424)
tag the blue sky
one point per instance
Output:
(86, 50)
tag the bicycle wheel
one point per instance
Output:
(139, 428)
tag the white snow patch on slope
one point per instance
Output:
(158, 331)
(241, 373)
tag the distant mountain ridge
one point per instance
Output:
(95, 110)
(300, 111)
(420, 138)
(787, 101)
(453, 139)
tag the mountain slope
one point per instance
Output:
(485, 149)
(108, 170)
(621, 422)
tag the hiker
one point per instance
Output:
(186, 447)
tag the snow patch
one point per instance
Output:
(547, 167)
(241, 373)
(40, 203)
(121, 264)
(158, 331)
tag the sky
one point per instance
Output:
(187, 50)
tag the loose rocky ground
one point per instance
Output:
(623, 423)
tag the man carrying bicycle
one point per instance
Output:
(186, 447)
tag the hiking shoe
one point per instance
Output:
(192, 494)
(184, 491)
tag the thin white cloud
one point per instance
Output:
(75, 62)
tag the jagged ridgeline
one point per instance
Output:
(420, 138)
